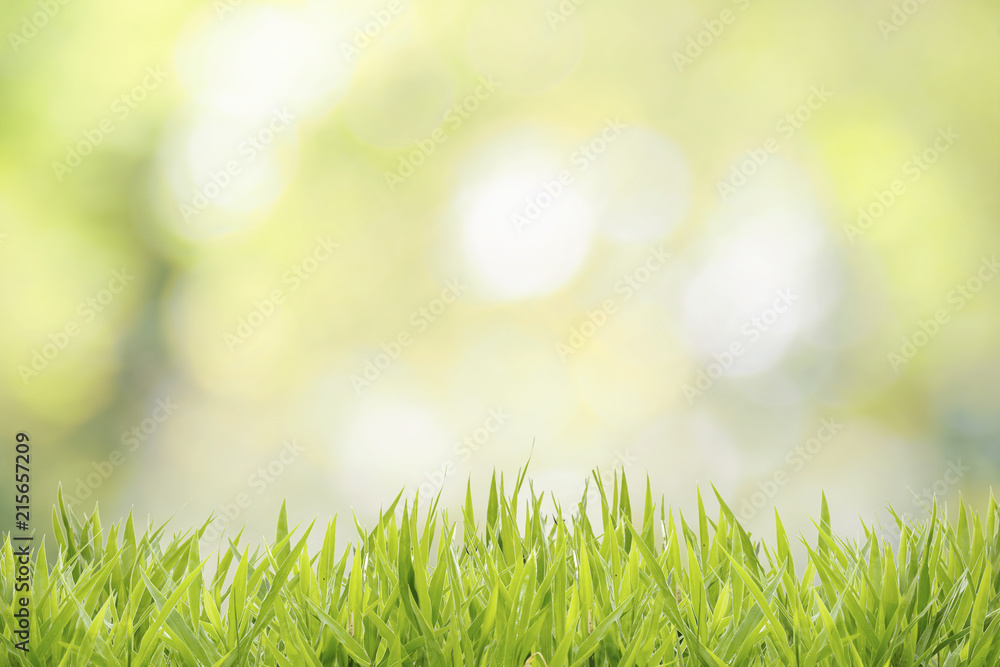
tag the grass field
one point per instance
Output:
(643, 588)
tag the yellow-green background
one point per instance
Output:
(620, 396)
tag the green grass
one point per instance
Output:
(641, 589)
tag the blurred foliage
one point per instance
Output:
(376, 88)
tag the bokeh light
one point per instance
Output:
(427, 240)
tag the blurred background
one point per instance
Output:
(323, 251)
